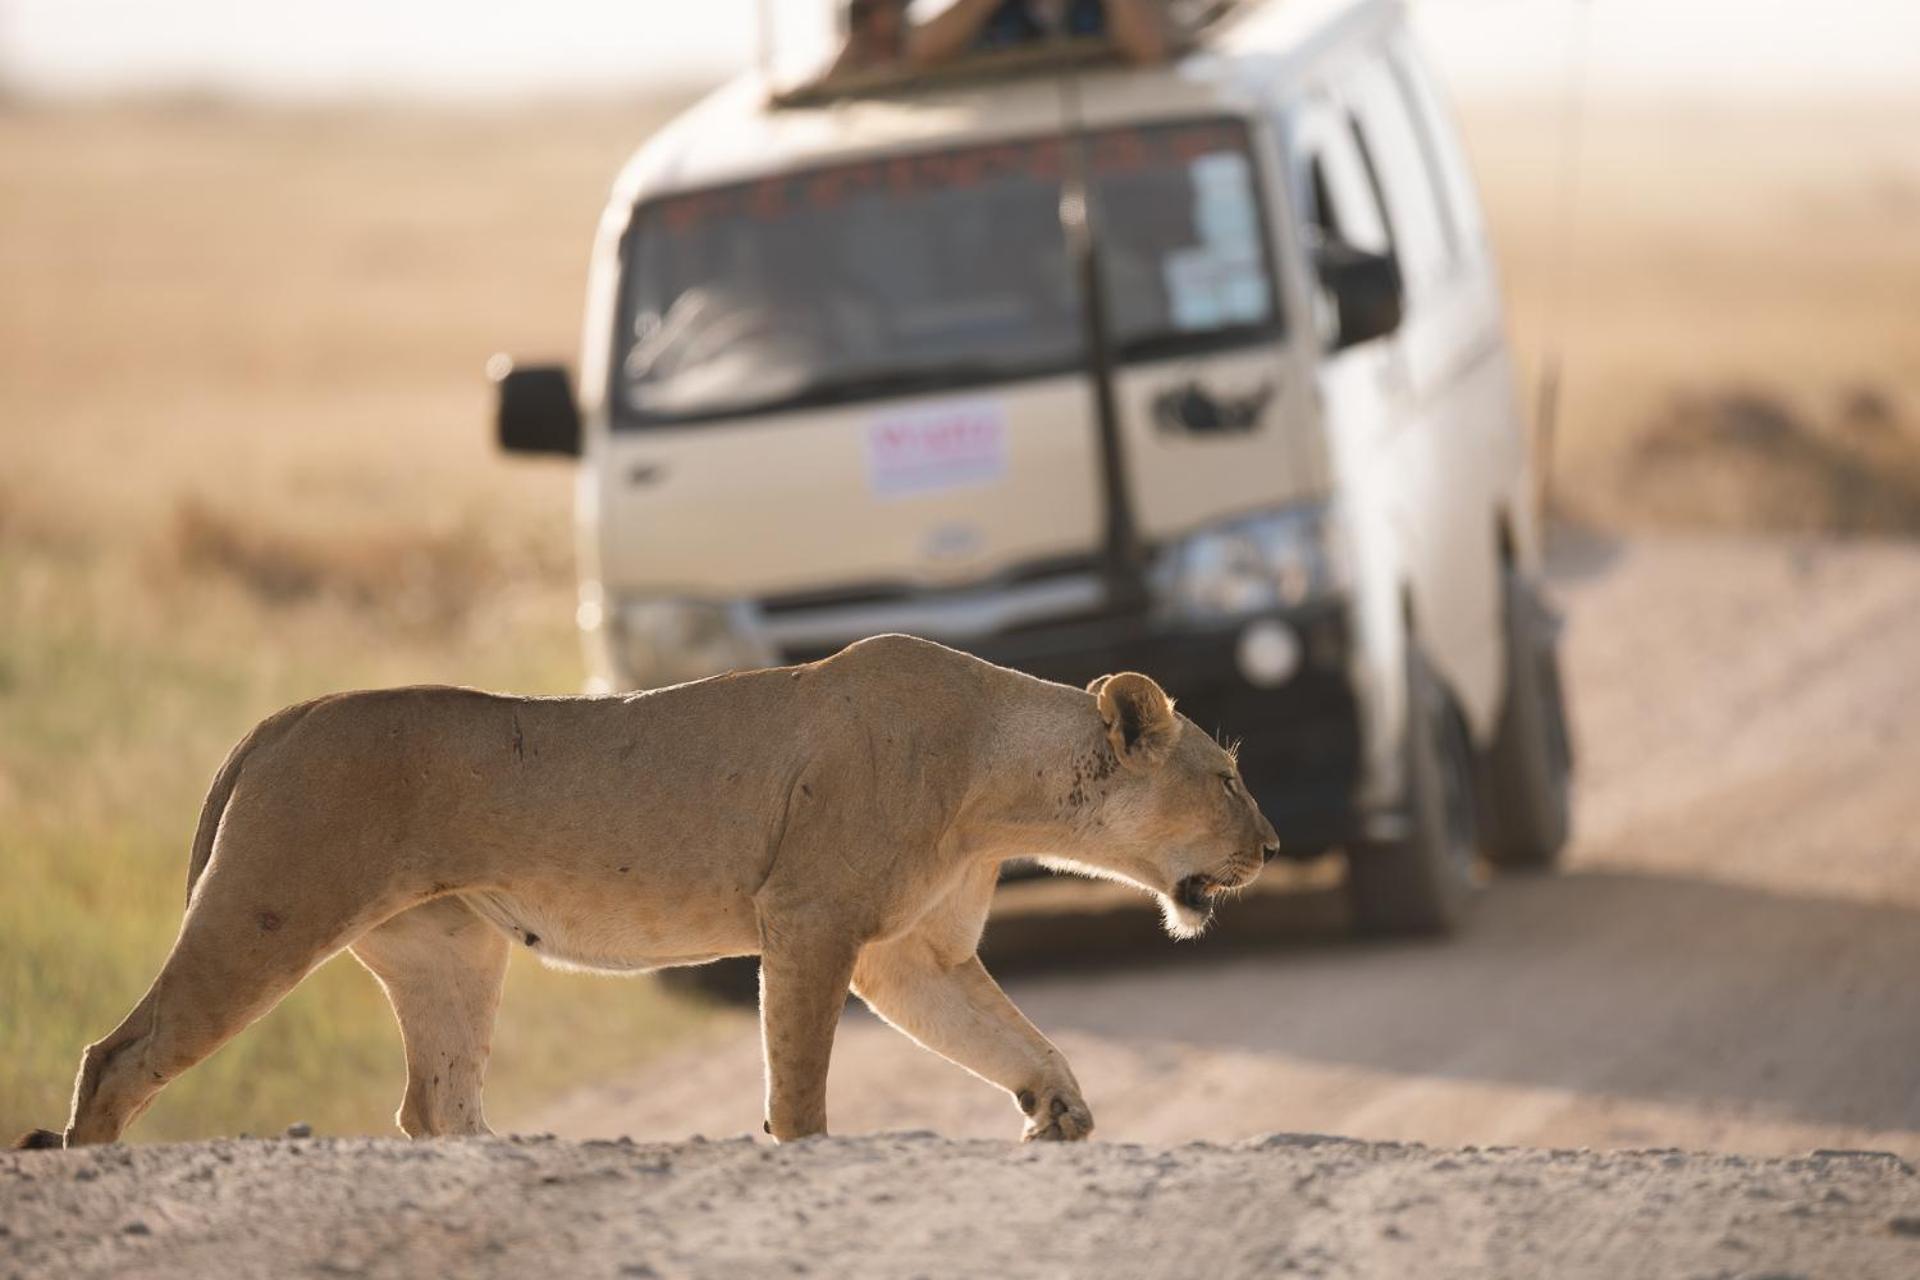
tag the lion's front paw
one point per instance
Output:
(1054, 1115)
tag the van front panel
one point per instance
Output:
(920, 492)
(882, 366)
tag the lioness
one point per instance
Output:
(844, 820)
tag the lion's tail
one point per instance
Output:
(272, 729)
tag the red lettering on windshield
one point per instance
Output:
(1123, 152)
(1188, 145)
(769, 200)
(1041, 160)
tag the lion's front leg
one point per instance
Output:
(803, 988)
(956, 1009)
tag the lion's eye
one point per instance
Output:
(1232, 785)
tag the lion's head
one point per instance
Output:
(1167, 810)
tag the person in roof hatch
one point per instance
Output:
(876, 36)
(1136, 27)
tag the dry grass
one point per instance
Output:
(1743, 458)
(244, 459)
(1733, 270)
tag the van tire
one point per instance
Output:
(1527, 774)
(1423, 882)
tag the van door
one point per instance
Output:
(1364, 400)
(1447, 444)
(1212, 405)
(1487, 374)
(1415, 462)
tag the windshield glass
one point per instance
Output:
(940, 270)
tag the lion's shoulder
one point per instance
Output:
(925, 665)
(894, 650)
(901, 676)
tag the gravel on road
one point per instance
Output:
(919, 1205)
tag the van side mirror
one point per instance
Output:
(536, 411)
(1369, 295)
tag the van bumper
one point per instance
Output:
(1300, 738)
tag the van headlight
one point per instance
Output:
(1275, 560)
(658, 642)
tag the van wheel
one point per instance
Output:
(1423, 882)
(1527, 780)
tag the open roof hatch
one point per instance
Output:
(1192, 23)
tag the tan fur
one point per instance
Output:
(844, 820)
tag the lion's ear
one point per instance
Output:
(1139, 718)
(1098, 683)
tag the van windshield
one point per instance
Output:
(934, 271)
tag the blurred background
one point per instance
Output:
(254, 258)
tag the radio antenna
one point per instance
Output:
(1573, 135)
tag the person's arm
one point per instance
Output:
(949, 33)
(1138, 30)
(849, 61)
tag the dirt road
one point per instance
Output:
(916, 1205)
(1727, 963)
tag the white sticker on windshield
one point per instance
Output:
(1224, 211)
(929, 448)
(1208, 290)
(1218, 282)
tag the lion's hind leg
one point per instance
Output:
(442, 967)
(202, 998)
(244, 944)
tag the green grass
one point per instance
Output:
(122, 686)
(244, 459)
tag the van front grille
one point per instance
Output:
(1041, 594)
(871, 593)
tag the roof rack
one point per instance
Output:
(1191, 22)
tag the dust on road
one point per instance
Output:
(1728, 961)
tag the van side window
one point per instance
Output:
(1443, 143)
(1422, 225)
(1342, 206)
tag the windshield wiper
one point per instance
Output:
(1157, 346)
(904, 379)
(870, 384)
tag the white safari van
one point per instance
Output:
(1197, 370)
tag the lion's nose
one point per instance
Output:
(1269, 852)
